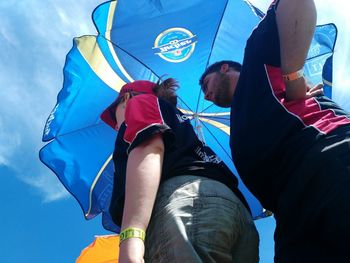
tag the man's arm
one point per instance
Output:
(296, 22)
(143, 175)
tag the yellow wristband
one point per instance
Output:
(132, 232)
(294, 75)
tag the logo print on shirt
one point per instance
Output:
(182, 118)
(207, 158)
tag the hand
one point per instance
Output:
(314, 91)
(131, 250)
(299, 89)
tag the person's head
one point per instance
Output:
(114, 114)
(219, 81)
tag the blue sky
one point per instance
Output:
(40, 222)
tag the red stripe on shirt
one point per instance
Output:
(307, 110)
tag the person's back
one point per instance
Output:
(199, 215)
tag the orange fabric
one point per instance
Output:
(104, 249)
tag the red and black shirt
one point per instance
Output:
(270, 135)
(147, 115)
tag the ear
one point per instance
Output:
(126, 97)
(224, 68)
(124, 100)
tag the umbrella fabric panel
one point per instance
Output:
(82, 145)
(90, 85)
(77, 158)
(167, 26)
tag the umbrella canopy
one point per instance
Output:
(141, 39)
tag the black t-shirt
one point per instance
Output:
(147, 115)
(269, 135)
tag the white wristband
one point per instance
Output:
(294, 75)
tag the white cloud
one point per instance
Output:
(35, 38)
(9, 142)
(8, 36)
(48, 186)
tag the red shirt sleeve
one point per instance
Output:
(143, 119)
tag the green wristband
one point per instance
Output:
(131, 232)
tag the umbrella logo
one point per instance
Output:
(175, 44)
(47, 128)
